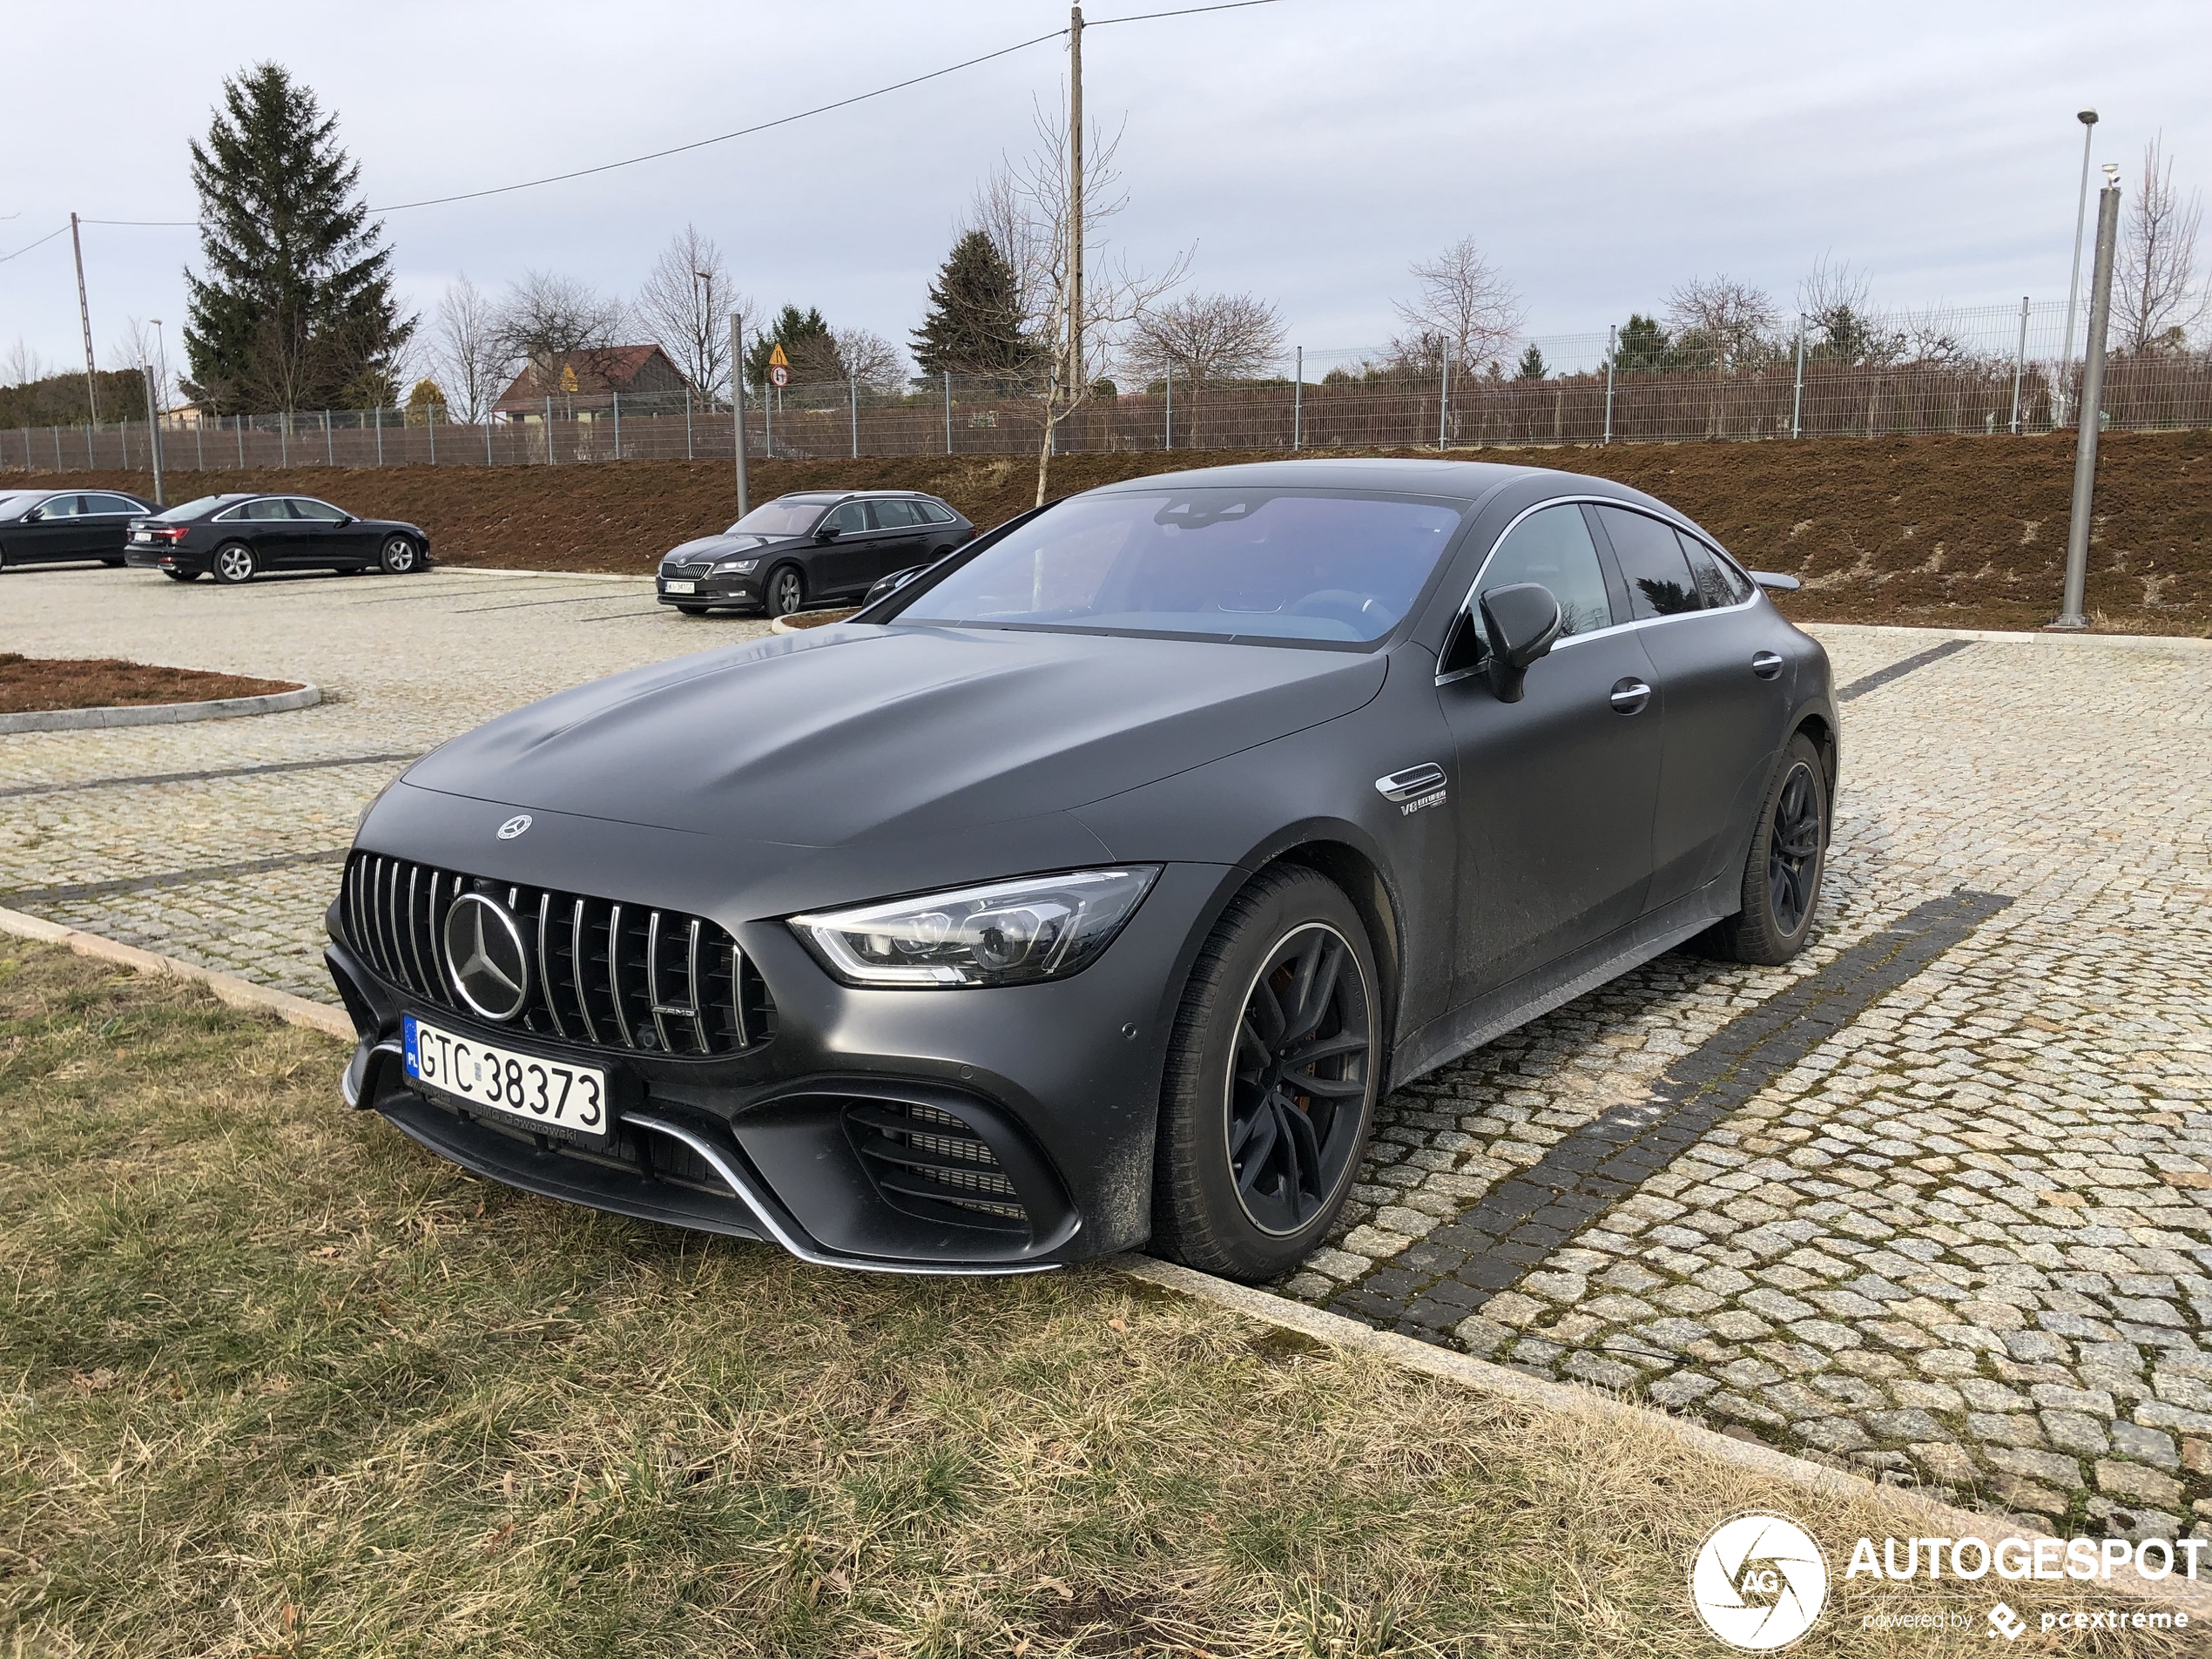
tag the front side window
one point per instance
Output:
(1554, 547)
(1652, 560)
(58, 506)
(321, 511)
(1222, 563)
(848, 519)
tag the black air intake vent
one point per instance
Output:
(928, 1162)
(610, 974)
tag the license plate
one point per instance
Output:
(683, 587)
(142, 536)
(548, 1095)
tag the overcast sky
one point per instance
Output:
(1309, 149)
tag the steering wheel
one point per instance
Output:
(1341, 604)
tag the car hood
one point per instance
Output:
(725, 546)
(852, 734)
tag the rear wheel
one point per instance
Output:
(112, 564)
(786, 592)
(401, 555)
(1781, 875)
(1271, 1081)
(182, 575)
(234, 563)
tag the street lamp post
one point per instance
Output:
(2088, 119)
(153, 410)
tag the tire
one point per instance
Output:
(692, 611)
(401, 556)
(1249, 1171)
(787, 590)
(234, 563)
(182, 575)
(1782, 873)
(112, 564)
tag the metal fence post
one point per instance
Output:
(1167, 440)
(737, 406)
(487, 438)
(949, 411)
(1798, 397)
(551, 459)
(284, 438)
(199, 442)
(1612, 353)
(329, 445)
(768, 421)
(1298, 403)
(88, 460)
(2088, 414)
(852, 401)
(618, 397)
(2019, 364)
(430, 420)
(380, 435)
(687, 424)
(1443, 397)
(238, 431)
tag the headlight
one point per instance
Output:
(1008, 933)
(736, 567)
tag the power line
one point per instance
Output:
(1186, 11)
(27, 246)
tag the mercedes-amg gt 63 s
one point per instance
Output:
(1090, 889)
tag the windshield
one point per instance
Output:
(191, 509)
(786, 515)
(15, 503)
(1233, 564)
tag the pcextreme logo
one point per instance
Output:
(1759, 1581)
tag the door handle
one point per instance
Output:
(1628, 696)
(1766, 665)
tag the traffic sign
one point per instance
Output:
(778, 368)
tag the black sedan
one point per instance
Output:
(237, 538)
(813, 548)
(47, 527)
(1092, 888)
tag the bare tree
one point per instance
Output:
(1035, 198)
(469, 357)
(546, 316)
(2154, 297)
(1001, 210)
(1727, 322)
(877, 364)
(1202, 340)
(684, 307)
(139, 346)
(23, 365)
(1462, 304)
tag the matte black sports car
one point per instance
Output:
(236, 537)
(810, 549)
(48, 526)
(1092, 888)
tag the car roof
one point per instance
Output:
(1469, 480)
(858, 494)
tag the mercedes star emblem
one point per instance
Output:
(513, 826)
(486, 957)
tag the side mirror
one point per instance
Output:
(1522, 622)
(34, 515)
(828, 533)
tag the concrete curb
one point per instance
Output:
(227, 987)
(1927, 1516)
(2132, 642)
(222, 708)
(444, 569)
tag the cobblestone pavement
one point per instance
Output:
(1935, 1200)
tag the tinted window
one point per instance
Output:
(1554, 547)
(110, 504)
(847, 519)
(786, 516)
(1719, 583)
(934, 513)
(1239, 563)
(1651, 559)
(893, 515)
(266, 509)
(58, 506)
(321, 511)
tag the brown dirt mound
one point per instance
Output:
(1950, 531)
(34, 685)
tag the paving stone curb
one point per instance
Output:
(227, 987)
(556, 575)
(1900, 631)
(221, 708)
(1927, 1516)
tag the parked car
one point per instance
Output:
(46, 527)
(813, 548)
(236, 537)
(1094, 886)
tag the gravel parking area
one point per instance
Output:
(1935, 1200)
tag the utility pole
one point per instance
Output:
(2088, 119)
(2088, 413)
(1076, 376)
(737, 403)
(85, 314)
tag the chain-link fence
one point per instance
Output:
(1989, 371)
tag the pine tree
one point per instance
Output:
(1533, 366)
(809, 346)
(1642, 344)
(973, 326)
(295, 311)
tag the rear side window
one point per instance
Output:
(1652, 560)
(1554, 547)
(266, 509)
(892, 514)
(321, 511)
(110, 504)
(1720, 584)
(932, 513)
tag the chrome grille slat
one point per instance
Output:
(578, 934)
(545, 961)
(414, 948)
(389, 908)
(736, 994)
(692, 989)
(652, 981)
(614, 974)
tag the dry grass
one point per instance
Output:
(273, 1382)
(29, 683)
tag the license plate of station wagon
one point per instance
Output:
(548, 1095)
(683, 587)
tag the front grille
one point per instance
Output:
(611, 974)
(922, 1157)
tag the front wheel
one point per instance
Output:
(400, 557)
(786, 592)
(1272, 1078)
(182, 575)
(234, 563)
(1781, 875)
(692, 611)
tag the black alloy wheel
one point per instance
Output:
(234, 563)
(1303, 1046)
(1272, 1072)
(786, 592)
(400, 556)
(1782, 871)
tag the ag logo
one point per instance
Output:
(1759, 1581)
(513, 826)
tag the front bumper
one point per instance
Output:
(711, 591)
(1060, 1081)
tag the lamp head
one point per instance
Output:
(2087, 118)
